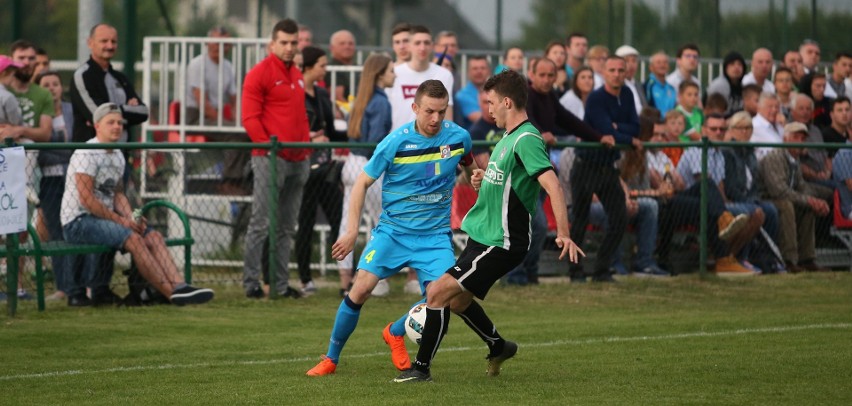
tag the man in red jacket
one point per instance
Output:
(274, 105)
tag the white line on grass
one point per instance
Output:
(695, 334)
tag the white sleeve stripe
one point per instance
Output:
(84, 92)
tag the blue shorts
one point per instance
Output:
(88, 229)
(388, 251)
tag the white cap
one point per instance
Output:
(626, 50)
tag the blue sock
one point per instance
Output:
(344, 324)
(398, 327)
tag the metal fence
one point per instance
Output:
(684, 239)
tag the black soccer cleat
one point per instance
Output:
(494, 361)
(413, 375)
(191, 295)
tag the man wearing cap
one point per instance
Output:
(96, 82)
(10, 112)
(35, 102)
(797, 200)
(95, 210)
(631, 58)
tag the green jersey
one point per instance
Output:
(34, 103)
(509, 194)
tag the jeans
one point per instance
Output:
(289, 184)
(685, 208)
(646, 226)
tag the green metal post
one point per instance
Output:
(498, 27)
(17, 18)
(259, 18)
(273, 216)
(130, 34)
(11, 263)
(702, 230)
(12, 273)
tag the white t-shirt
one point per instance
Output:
(106, 167)
(401, 95)
(659, 162)
(211, 80)
(572, 103)
(768, 86)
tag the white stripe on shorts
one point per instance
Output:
(473, 264)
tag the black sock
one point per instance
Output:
(437, 322)
(475, 318)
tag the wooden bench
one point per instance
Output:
(38, 250)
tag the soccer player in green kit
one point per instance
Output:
(498, 227)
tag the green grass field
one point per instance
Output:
(784, 339)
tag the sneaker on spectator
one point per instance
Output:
(811, 266)
(729, 225)
(256, 293)
(382, 289)
(79, 301)
(190, 295)
(412, 287)
(24, 295)
(618, 268)
(651, 270)
(291, 293)
(309, 288)
(729, 266)
(751, 267)
(56, 296)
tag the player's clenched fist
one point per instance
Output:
(476, 178)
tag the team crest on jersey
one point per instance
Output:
(503, 153)
(446, 152)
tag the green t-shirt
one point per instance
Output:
(694, 121)
(509, 194)
(35, 102)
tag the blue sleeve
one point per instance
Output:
(842, 165)
(466, 104)
(597, 115)
(376, 123)
(628, 129)
(382, 157)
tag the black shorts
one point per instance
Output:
(480, 266)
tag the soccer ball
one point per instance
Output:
(415, 321)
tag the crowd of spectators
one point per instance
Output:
(758, 198)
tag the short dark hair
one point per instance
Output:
(842, 54)
(783, 69)
(310, 56)
(401, 27)
(841, 99)
(685, 47)
(511, 84)
(420, 29)
(536, 61)
(40, 51)
(716, 102)
(752, 88)
(575, 34)
(431, 88)
(20, 44)
(717, 116)
(686, 84)
(287, 26)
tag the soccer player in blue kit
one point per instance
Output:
(419, 163)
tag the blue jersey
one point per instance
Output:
(420, 173)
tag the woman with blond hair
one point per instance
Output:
(369, 122)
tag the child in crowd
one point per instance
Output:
(675, 125)
(687, 103)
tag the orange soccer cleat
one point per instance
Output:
(325, 367)
(399, 355)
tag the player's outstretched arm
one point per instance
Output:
(346, 242)
(550, 183)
